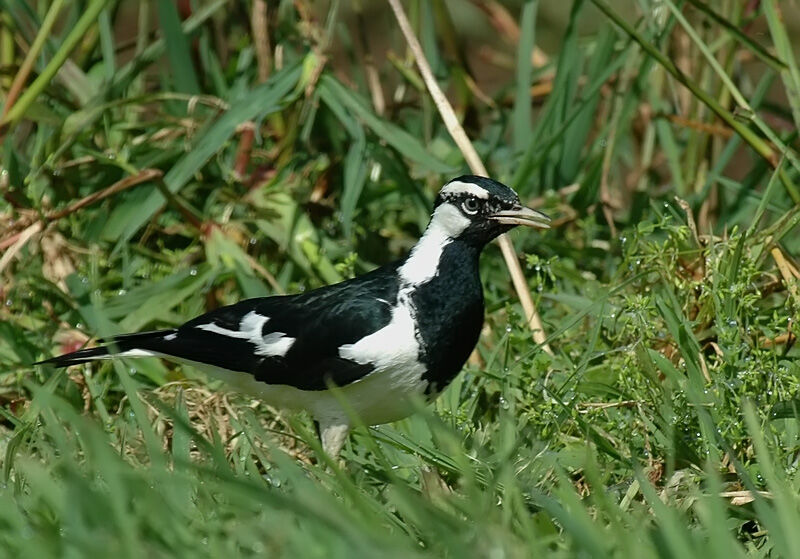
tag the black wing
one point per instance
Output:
(289, 339)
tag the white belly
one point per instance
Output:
(380, 397)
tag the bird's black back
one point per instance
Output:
(321, 321)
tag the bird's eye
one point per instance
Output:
(470, 205)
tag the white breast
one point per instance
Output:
(394, 351)
(393, 345)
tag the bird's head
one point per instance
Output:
(477, 209)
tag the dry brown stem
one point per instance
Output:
(476, 165)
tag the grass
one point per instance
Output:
(152, 172)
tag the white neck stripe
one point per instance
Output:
(423, 262)
(447, 223)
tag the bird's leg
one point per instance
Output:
(333, 436)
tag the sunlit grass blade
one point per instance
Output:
(40, 83)
(262, 100)
(522, 126)
(404, 142)
(785, 50)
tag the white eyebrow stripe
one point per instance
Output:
(458, 187)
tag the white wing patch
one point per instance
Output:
(131, 353)
(253, 323)
(274, 344)
(278, 343)
(394, 345)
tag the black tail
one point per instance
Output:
(117, 345)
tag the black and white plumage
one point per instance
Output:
(404, 329)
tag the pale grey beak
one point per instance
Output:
(521, 215)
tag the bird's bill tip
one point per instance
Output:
(523, 216)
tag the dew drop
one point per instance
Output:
(375, 172)
(193, 272)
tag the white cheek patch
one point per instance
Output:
(449, 220)
(458, 187)
(274, 344)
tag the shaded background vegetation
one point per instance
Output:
(161, 159)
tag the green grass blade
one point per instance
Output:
(761, 147)
(775, 63)
(107, 43)
(356, 165)
(40, 83)
(522, 126)
(177, 47)
(785, 49)
(265, 99)
(396, 137)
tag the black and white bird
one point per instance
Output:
(383, 338)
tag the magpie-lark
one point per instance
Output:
(402, 330)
